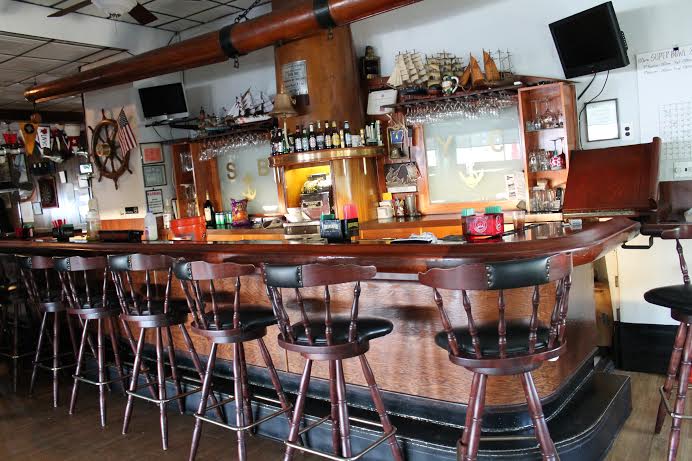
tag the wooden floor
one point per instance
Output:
(30, 429)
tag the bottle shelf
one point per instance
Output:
(324, 156)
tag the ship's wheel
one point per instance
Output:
(106, 152)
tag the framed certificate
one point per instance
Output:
(151, 153)
(155, 200)
(602, 120)
(154, 175)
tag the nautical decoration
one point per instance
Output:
(111, 160)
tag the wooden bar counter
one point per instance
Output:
(419, 381)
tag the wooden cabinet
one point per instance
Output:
(201, 179)
(560, 99)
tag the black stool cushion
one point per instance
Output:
(517, 339)
(250, 318)
(677, 297)
(367, 329)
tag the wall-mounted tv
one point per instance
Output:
(590, 41)
(163, 102)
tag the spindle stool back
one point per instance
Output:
(333, 340)
(506, 348)
(223, 324)
(45, 296)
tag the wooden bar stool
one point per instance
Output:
(89, 304)
(678, 298)
(516, 347)
(135, 277)
(331, 340)
(228, 325)
(12, 301)
(44, 294)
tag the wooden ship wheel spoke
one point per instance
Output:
(106, 152)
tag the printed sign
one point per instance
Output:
(295, 78)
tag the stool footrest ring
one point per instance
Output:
(322, 454)
(669, 410)
(169, 399)
(247, 427)
(98, 383)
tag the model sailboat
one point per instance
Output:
(409, 71)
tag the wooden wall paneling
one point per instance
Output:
(355, 181)
(206, 179)
(180, 177)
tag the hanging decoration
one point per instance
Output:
(111, 158)
(28, 132)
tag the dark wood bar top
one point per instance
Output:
(586, 244)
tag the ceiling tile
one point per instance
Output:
(12, 76)
(61, 51)
(19, 105)
(43, 2)
(99, 55)
(34, 65)
(13, 45)
(243, 4)
(161, 19)
(93, 10)
(179, 8)
(40, 79)
(177, 26)
(66, 69)
(213, 14)
(5, 57)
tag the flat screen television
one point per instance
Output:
(590, 41)
(163, 102)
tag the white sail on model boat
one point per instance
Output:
(409, 70)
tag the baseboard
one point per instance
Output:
(643, 347)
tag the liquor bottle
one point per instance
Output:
(336, 140)
(291, 143)
(341, 138)
(312, 139)
(279, 142)
(320, 136)
(306, 140)
(298, 140)
(209, 214)
(327, 135)
(273, 141)
(348, 141)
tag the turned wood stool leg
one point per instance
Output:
(133, 345)
(344, 425)
(376, 396)
(134, 379)
(238, 393)
(474, 435)
(174, 370)
(56, 358)
(161, 376)
(116, 352)
(202, 410)
(37, 356)
(683, 382)
(298, 412)
(548, 450)
(78, 369)
(464, 441)
(200, 370)
(274, 376)
(101, 360)
(247, 404)
(73, 336)
(336, 438)
(673, 367)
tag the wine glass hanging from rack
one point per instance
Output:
(215, 146)
(473, 107)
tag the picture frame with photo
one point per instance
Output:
(152, 153)
(155, 200)
(154, 175)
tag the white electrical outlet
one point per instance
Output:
(682, 170)
(626, 130)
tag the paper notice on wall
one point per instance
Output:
(295, 78)
(665, 105)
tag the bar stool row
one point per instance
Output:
(100, 292)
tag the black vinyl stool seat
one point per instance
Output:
(45, 295)
(331, 340)
(678, 298)
(233, 325)
(92, 306)
(502, 347)
(142, 304)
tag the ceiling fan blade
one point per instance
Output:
(71, 9)
(142, 15)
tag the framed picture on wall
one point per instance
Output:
(154, 175)
(602, 120)
(151, 153)
(36, 208)
(155, 200)
(48, 191)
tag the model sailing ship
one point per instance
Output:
(248, 109)
(442, 64)
(410, 72)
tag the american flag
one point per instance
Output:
(126, 137)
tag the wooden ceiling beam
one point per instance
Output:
(46, 116)
(304, 18)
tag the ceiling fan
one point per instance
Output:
(114, 9)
